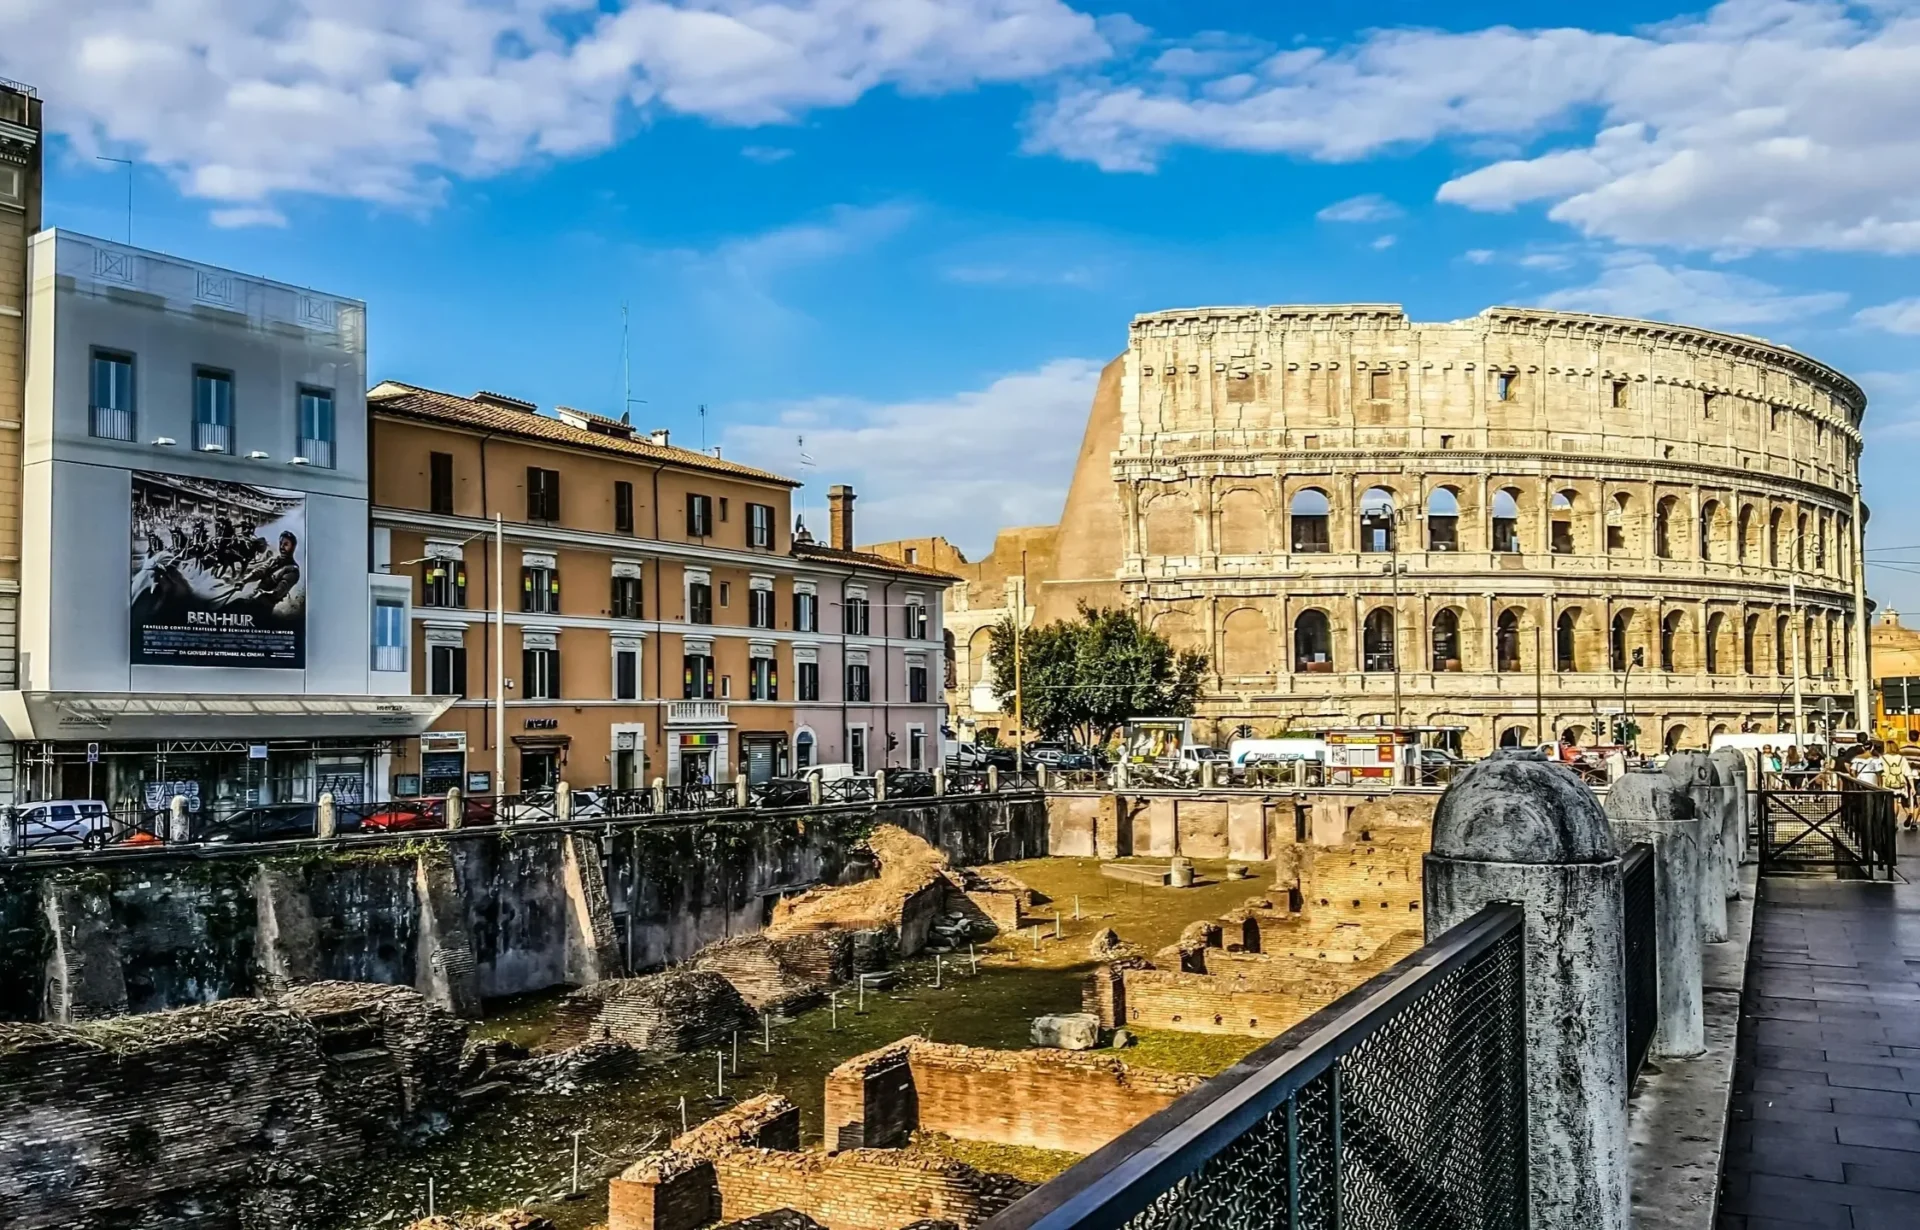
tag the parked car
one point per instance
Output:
(796, 789)
(1059, 756)
(406, 815)
(980, 756)
(63, 824)
(268, 822)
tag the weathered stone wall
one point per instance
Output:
(215, 1117)
(1244, 825)
(464, 915)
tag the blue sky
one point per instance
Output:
(912, 230)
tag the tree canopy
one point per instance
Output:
(1084, 678)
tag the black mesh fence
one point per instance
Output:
(1400, 1107)
(1642, 945)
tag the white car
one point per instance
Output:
(62, 824)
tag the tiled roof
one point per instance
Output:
(866, 559)
(411, 401)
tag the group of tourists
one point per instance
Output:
(1872, 763)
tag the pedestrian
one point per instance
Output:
(1795, 767)
(1896, 779)
(1871, 767)
(1769, 763)
(1815, 761)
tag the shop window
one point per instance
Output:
(803, 750)
(763, 679)
(626, 599)
(443, 582)
(540, 589)
(389, 635)
(807, 678)
(440, 483)
(447, 670)
(540, 674)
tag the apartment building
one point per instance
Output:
(20, 178)
(197, 616)
(611, 609)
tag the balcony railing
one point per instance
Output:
(111, 424)
(212, 438)
(696, 713)
(318, 453)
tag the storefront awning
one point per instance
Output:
(93, 716)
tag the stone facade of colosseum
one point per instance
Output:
(1509, 523)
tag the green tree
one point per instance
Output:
(1084, 678)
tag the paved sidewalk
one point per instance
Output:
(1825, 1121)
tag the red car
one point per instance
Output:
(407, 815)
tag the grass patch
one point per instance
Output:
(1170, 1050)
(1033, 1165)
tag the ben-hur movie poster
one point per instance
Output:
(218, 573)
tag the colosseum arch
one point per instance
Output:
(1564, 533)
(1782, 645)
(1443, 519)
(980, 656)
(1676, 647)
(1309, 517)
(1243, 523)
(1665, 515)
(1714, 536)
(1800, 543)
(1566, 640)
(1773, 538)
(1378, 520)
(1246, 645)
(1312, 642)
(1446, 640)
(1179, 629)
(1716, 643)
(1749, 644)
(1379, 649)
(1506, 640)
(1623, 637)
(1504, 538)
(1621, 539)
(1744, 545)
(1168, 524)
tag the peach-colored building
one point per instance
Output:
(662, 615)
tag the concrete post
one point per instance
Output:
(1731, 768)
(327, 817)
(659, 796)
(813, 789)
(1616, 766)
(1120, 774)
(742, 793)
(179, 831)
(457, 809)
(1206, 775)
(1645, 805)
(1693, 772)
(9, 832)
(993, 779)
(563, 802)
(1040, 776)
(1517, 828)
(939, 783)
(879, 785)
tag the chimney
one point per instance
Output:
(840, 517)
(660, 436)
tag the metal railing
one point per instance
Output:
(1847, 828)
(968, 781)
(1642, 956)
(1402, 1105)
(909, 784)
(847, 790)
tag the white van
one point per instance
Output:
(62, 824)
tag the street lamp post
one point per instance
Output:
(1626, 714)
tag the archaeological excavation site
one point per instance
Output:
(864, 1018)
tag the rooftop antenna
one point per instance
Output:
(703, 427)
(627, 400)
(127, 163)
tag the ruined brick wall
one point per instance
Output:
(1199, 1003)
(1039, 1099)
(677, 1010)
(759, 969)
(212, 1118)
(861, 1189)
(1375, 883)
(871, 1101)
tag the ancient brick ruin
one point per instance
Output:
(235, 1114)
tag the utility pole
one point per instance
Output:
(1019, 719)
(1539, 690)
(1793, 621)
(499, 657)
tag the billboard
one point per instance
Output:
(218, 574)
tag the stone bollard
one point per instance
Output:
(813, 789)
(456, 809)
(939, 783)
(1040, 777)
(1694, 773)
(1206, 775)
(1616, 766)
(326, 821)
(1731, 768)
(1180, 872)
(742, 793)
(179, 828)
(9, 832)
(879, 785)
(563, 802)
(993, 779)
(1645, 805)
(1120, 774)
(659, 796)
(1516, 828)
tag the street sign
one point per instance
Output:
(256, 751)
(93, 753)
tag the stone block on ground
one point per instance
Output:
(1136, 873)
(1069, 1031)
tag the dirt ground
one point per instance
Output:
(519, 1151)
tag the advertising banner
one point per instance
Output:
(218, 574)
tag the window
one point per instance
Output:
(1617, 524)
(1708, 404)
(212, 411)
(916, 747)
(1617, 640)
(1663, 513)
(760, 525)
(760, 608)
(1564, 643)
(916, 618)
(1560, 527)
(1443, 520)
(540, 589)
(1670, 640)
(540, 674)
(443, 582)
(440, 483)
(763, 679)
(1503, 386)
(806, 611)
(854, 616)
(1620, 395)
(316, 427)
(916, 684)
(1506, 641)
(1506, 521)
(723, 508)
(543, 494)
(1308, 512)
(1312, 643)
(623, 508)
(699, 515)
(389, 635)
(626, 602)
(699, 602)
(696, 676)
(857, 748)
(447, 670)
(111, 415)
(626, 674)
(803, 750)
(1377, 640)
(807, 680)
(726, 686)
(913, 555)
(1376, 520)
(726, 593)
(1446, 640)
(1380, 385)
(858, 684)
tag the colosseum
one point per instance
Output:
(1520, 524)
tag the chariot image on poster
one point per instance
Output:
(218, 573)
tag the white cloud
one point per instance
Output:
(1384, 242)
(765, 155)
(248, 215)
(964, 466)
(243, 100)
(1479, 256)
(1900, 316)
(1760, 124)
(1371, 207)
(1635, 284)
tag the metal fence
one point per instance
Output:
(1847, 829)
(1402, 1106)
(1642, 956)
